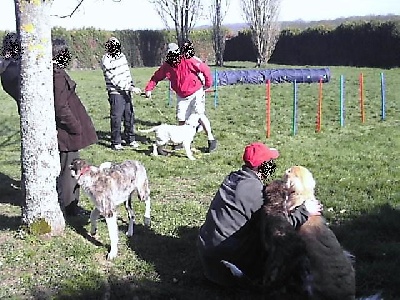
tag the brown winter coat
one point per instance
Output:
(75, 129)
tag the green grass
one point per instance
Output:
(356, 168)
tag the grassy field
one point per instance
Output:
(357, 169)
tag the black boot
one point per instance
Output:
(212, 145)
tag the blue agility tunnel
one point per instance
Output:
(259, 76)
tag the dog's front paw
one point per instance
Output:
(192, 158)
(147, 221)
(111, 255)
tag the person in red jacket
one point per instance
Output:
(186, 83)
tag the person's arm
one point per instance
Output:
(298, 216)
(203, 68)
(158, 75)
(64, 115)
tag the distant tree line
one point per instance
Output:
(370, 43)
(360, 43)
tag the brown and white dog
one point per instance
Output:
(108, 186)
(331, 274)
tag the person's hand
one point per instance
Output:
(135, 90)
(148, 94)
(314, 207)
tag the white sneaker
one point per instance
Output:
(134, 144)
(117, 147)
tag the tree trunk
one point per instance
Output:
(41, 211)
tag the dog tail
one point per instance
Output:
(152, 129)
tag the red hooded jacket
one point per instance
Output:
(184, 77)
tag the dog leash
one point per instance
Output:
(158, 110)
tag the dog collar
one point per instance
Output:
(84, 170)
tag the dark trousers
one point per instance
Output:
(66, 185)
(121, 109)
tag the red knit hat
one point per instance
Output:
(256, 153)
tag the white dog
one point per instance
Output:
(178, 134)
(110, 185)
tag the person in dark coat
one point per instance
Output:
(10, 66)
(75, 129)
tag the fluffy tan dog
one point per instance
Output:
(331, 274)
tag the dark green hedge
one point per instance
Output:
(357, 43)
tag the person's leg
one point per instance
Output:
(129, 121)
(214, 270)
(199, 108)
(182, 109)
(117, 107)
(68, 191)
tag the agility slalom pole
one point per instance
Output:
(341, 100)
(169, 93)
(215, 88)
(361, 80)
(383, 97)
(319, 108)
(294, 121)
(268, 107)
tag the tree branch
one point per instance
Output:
(70, 15)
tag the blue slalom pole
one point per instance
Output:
(383, 98)
(215, 88)
(341, 100)
(294, 121)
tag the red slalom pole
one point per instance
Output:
(268, 107)
(319, 109)
(362, 98)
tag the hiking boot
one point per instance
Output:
(212, 145)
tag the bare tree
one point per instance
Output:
(183, 13)
(262, 16)
(41, 211)
(218, 10)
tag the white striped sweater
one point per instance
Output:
(116, 73)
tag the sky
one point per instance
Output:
(140, 14)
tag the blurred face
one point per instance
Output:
(267, 169)
(188, 50)
(112, 47)
(173, 58)
(63, 58)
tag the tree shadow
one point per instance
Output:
(374, 239)
(176, 261)
(13, 137)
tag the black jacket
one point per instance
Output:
(75, 129)
(10, 79)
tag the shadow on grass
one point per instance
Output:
(374, 239)
(104, 138)
(176, 261)
(10, 190)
